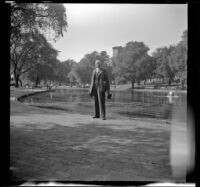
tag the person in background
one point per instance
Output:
(98, 87)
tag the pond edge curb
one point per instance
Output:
(19, 98)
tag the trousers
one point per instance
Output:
(99, 100)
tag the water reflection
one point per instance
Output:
(51, 95)
(123, 103)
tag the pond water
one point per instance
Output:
(123, 104)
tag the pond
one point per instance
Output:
(123, 104)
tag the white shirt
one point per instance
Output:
(97, 70)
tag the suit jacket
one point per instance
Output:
(99, 80)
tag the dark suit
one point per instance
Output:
(99, 85)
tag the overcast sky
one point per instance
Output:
(99, 27)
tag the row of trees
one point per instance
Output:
(167, 63)
(133, 64)
(70, 72)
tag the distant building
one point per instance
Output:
(116, 51)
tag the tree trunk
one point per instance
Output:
(16, 83)
(182, 84)
(132, 83)
(37, 82)
(16, 77)
(20, 82)
(138, 82)
(169, 82)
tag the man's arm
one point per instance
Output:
(91, 84)
(107, 82)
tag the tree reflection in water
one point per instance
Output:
(131, 104)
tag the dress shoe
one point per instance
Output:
(95, 117)
(109, 96)
(104, 118)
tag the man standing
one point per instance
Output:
(99, 85)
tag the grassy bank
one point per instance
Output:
(129, 87)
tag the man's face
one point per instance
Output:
(97, 64)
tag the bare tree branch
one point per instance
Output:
(24, 57)
(27, 69)
(12, 60)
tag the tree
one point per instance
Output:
(62, 71)
(73, 76)
(105, 59)
(172, 61)
(41, 72)
(145, 67)
(67, 66)
(83, 71)
(29, 23)
(162, 56)
(42, 17)
(86, 65)
(29, 51)
(107, 64)
(178, 59)
(127, 64)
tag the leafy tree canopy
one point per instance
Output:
(44, 17)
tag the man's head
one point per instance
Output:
(97, 64)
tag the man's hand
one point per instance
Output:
(109, 95)
(90, 94)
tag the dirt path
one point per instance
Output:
(64, 146)
(77, 120)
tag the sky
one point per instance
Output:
(99, 27)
